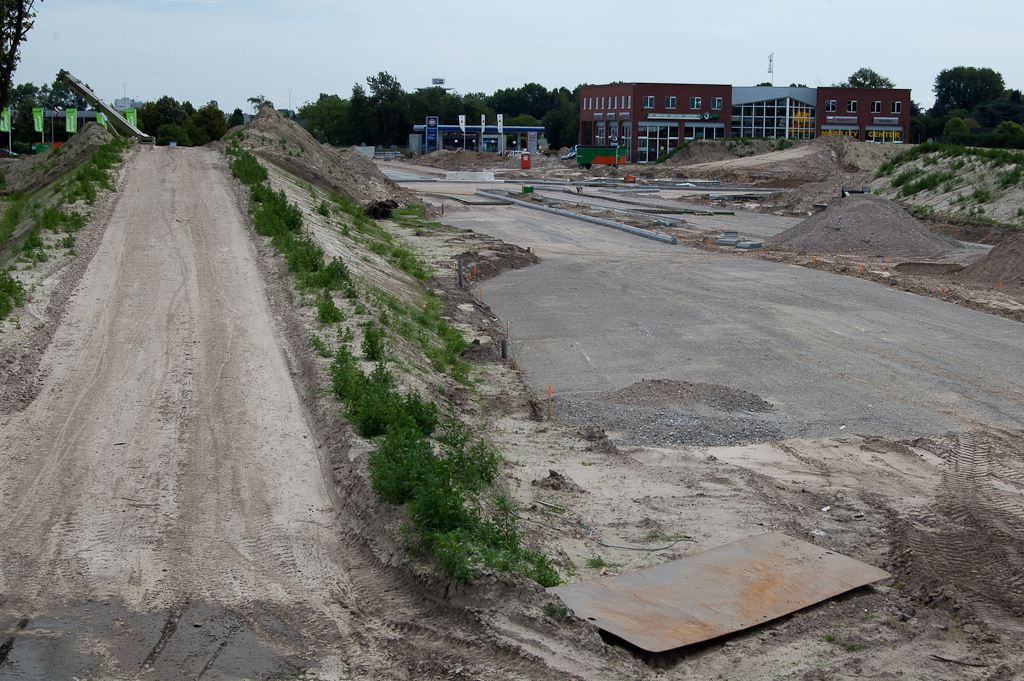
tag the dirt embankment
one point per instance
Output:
(286, 144)
(959, 186)
(31, 172)
(819, 160)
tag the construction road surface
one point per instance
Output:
(163, 510)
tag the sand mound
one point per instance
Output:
(865, 224)
(286, 144)
(1004, 263)
(31, 172)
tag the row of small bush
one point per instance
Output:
(274, 217)
(445, 487)
(445, 490)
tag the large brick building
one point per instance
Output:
(652, 118)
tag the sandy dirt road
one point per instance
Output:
(163, 507)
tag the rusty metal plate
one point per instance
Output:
(727, 589)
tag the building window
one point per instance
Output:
(851, 106)
(695, 102)
(716, 103)
(876, 107)
(830, 105)
(648, 101)
(897, 107)
(629, 102)
(670, 102)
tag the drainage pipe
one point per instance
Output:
(646, 233)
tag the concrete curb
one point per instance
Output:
(646, 233)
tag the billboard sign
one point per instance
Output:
(501, 123)
(462, 122)
(132, 117)
(431, 133)
(37, 119)
(437, 81)
(71, 120)
(101, 119)
(5, 120)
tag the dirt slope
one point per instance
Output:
(30, 172)
(821, 159)
(275, 139)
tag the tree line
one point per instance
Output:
(384, 113)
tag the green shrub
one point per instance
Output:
(320, 346)
(906, 176)
(326, 311)
(67, 242)
(12, 294)
(1009, 178)
(982, 194)
(373, 343)
(324, 209)
(929, 182)
(347, 379)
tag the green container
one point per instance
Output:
(527, 190)
(40, 147)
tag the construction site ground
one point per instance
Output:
(180, 498)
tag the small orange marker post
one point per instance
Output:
(1000, 287)
(943, 290)
(549, 403)
(862, 269)
(481, 292)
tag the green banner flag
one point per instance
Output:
(37, 119)
(131, 116)
(5, 120)
(101, 119)
(71, 118)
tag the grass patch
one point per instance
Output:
(441, 342)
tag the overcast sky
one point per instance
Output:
(230, 50)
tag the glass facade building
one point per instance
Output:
(773, 112)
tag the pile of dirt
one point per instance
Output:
(453, 160)
(277, 140)
(865, 224)
(666, 391)
(486, 263)
(1004, 265)
(29, 173)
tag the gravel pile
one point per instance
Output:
(650, 426)
(869, 225)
